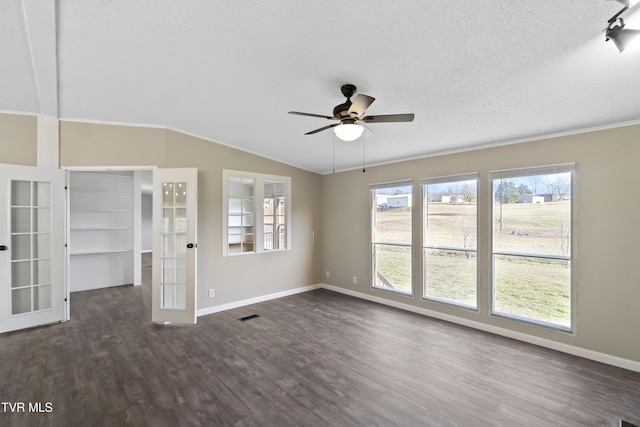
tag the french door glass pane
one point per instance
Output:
(20, 274)
(180, 297)
(21, 301)
(41, 271)
(20, 193)
(30, 246)
(21, 246)
(181, 193)
(42, 194)
(167, 219)
(42, 245)
(20, 220)
(41, 297)
(174, 246)
(181, 220)
(42, 220)
(168, 245)
(167, 296)
(167, 195)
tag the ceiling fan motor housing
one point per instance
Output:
(342, 111)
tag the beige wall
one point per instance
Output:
(336, 207)
(234, 278)
(90, 144)
(607, 232)
(18, 139)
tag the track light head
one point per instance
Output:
(621, 36)
(628, 3)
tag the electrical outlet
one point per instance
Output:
(212, 293)
(328, 274)
(355, 280)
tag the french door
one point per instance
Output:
(174, 288)
(32, 247)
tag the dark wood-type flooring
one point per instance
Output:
(317, 358)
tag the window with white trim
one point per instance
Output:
(257, 212)
(532, 245)
(450, 238)
(391, 233)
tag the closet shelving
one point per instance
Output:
(101, 229)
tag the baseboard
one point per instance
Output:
(255, 300)
(542, 342)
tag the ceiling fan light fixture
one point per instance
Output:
(348, 131)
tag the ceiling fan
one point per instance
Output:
(350, 115)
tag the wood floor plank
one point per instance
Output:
(312, 359)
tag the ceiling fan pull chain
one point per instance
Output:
(363, 152)
(334, 154)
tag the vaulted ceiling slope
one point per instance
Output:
(474, 72)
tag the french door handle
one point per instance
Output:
(191, 245)
(3, 248)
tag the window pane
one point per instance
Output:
(532, 217)
(273, 215)
(392, 215)
(392, 267)
(391, 238)
(451, 215)
(450, 276)
(532, 214)
(533, 288)
(450, 240)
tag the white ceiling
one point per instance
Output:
(474, 72)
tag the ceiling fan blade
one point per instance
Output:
(298, 113)
(360, 105)
(389, 118)
(322, 128)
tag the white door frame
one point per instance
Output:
(137, 245)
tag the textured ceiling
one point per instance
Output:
(474, 72)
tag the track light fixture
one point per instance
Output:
(621, 36)
(628, 3)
